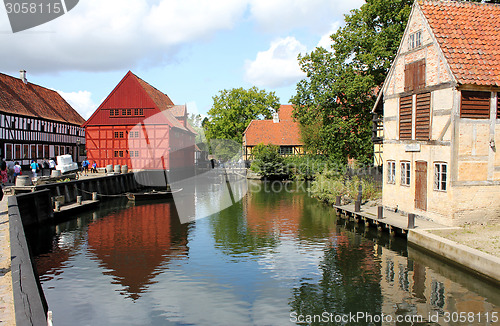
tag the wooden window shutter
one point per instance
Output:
(408, 78)
(405, 117)
(423, 116)
(420, 74)
(475, 105)
(415, 76)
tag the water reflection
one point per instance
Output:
(134, 244)
(255, 263)
(349, 282)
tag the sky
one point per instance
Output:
(188, 49)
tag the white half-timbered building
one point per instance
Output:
(37, 123)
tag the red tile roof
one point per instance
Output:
(178, 111)
(286, 132)
(35, 101)
(161, 99)
(163, 103)
(469, 36)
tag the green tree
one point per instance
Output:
(234, 109)
(195, 120)
(338, 94)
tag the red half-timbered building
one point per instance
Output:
(139, 126)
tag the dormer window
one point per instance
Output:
(415, 40)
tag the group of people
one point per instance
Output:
(36, 168)
(85, 167)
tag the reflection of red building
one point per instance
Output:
(283, 217)
(356, 258)
(139, 126)
(134, 243)
(49, 265)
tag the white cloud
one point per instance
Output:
(81, 101)
(326, 41)
(277, 66)
(122, 34)
(116, 34)
(174, 22)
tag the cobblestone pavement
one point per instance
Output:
(485, 238)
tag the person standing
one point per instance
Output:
(45, 166)
(3, 164)
(3, 175)
(52, 165)
(85, 166)
(34, 168)
(94, 167)
(17, 171)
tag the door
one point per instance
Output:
(421, 185)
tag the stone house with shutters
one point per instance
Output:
(441, 116)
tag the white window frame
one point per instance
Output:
(441, 176)
(405, 173)
(415, 40)
(391, 172)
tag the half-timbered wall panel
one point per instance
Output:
(24, 139)
(145, 150)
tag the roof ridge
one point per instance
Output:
(457, 2)
(148, 84)
(12, 86)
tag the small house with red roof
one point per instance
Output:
(139, 126)
(282, 131)
(441, 115)
(36, 123)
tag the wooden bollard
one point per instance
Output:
(380, 212)
(338, 200)
(79, 200)
(411, 221)
(94, 196)
(357, 206)
(57, 206)
(360, 192)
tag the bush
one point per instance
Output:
(305, 167)
(268, 162)
(329, 184)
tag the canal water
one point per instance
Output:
(277, 257)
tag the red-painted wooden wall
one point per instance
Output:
(140, 135)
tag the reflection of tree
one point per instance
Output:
(349, 283)
(265, 214)
(233, 236)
